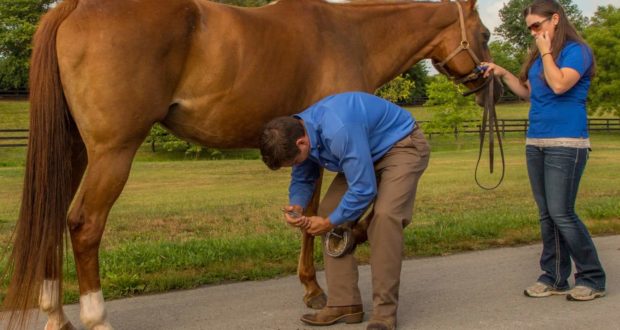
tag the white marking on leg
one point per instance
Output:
(48, 301)
(92, 311)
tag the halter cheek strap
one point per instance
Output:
(463, 46)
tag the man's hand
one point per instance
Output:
(293, 216)
(319, 226)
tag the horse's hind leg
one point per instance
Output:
(106, 175)
(49, 300)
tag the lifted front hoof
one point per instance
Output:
(68, 326)
(317, 302)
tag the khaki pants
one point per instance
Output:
(398, 173)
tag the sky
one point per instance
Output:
(489, 9)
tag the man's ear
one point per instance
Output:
(302, 141)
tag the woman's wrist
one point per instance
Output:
(544, 52)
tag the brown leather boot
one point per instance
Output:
(331, 315)
(380, 325)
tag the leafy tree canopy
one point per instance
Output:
(603, 35)
(512, 29)
(18, 21)
(451, 109)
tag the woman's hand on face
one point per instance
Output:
(492, 67)
(543, 43)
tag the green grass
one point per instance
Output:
(180, 224)
(13, 114)
(504, 111)
(184, 224)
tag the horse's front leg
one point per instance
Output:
(314, 297)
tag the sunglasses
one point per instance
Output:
(538, 25)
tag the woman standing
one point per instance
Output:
(555, 79)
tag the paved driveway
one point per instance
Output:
(478, 290)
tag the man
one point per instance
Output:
(379, 154)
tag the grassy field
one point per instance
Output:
(180, 224)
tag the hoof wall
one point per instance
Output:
(317, 302)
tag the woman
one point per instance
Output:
(555, 79)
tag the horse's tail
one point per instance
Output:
(40, 231)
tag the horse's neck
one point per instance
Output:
(393, 35)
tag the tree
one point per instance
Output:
(418, 74)
(396, 90)
(507, 56)
(18, 21)
(512, 29)
(452, 108)
(603, 35)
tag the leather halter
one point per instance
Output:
(463, 46)
(489, 117)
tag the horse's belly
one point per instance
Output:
(212, 125)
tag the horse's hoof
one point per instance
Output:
(68, 326)
(317, 302)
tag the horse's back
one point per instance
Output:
(123, 59)
(202, 68)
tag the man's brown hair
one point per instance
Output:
(278, 141)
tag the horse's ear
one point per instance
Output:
(472, 4)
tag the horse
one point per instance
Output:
(103, 72)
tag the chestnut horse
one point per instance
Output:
(104, 71)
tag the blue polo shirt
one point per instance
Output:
(348, 132)
(560, 115)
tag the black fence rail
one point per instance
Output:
(14, 94)
(521, 125)
(19, 137)
(13, 138)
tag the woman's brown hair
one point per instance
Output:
(564, 31)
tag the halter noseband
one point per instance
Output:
(464, 46)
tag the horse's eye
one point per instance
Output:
(486, 36)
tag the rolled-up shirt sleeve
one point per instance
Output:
(350, 145)
(303, 181)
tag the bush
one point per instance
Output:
(451, 109)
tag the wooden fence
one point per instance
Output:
(13, 137)
(521, 125)
(19, 137)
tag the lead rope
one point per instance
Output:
(489, 116)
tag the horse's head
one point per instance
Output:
(462, 46)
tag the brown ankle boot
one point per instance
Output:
(375, 324)
(331, 315)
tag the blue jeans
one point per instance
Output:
(554, 175)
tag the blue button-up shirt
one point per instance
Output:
(348, 132)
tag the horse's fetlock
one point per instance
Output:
(92, 311)
(48, 298)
